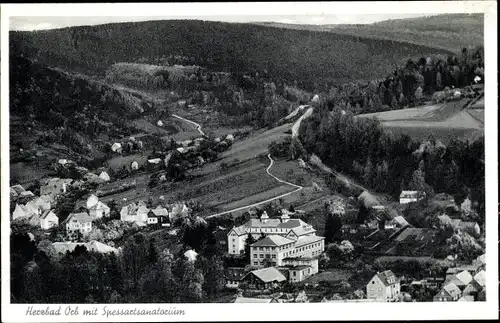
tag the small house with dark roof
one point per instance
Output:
(383, 286)
(233, 276)
(449, 293)
(159, 216)
(264, 278)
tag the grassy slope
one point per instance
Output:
(305, 56)
(450, 32)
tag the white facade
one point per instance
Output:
(410, 196)
(91, 201)
(99, 210)
(79, 222)
(382, 290)
(134, 213)
(284, 226)
(49, 220)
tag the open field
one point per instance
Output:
(445, 121)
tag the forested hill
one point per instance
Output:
(450, 31)
(308, 57)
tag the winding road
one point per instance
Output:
(197, 125)
(298, 188)
(295, 128)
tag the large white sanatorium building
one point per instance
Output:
(285, 238)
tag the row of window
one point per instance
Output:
(262, 256)
(256, 263)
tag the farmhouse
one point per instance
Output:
(81, 222)
(55, 187)
(233, 276)
(137, 213)
(410, 196)
(283, 226)
(159, 216)
(25, 211)
(264, 278)
(99, 210)
(48, 220)
(449, 293)
(383, 286)
(16, 189)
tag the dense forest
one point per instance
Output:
(314, 60)
(363, 149)
(143, 272)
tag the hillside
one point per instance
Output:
(450, 31)
(308, 57)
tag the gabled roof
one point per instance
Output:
(387, 277)
(465, 277)
(452, 290)
(238, 230)
(93, 245)
(480, 278)
(268, 275)
(47, 213)
(159, 211)
(401, 221)
(98, 206)
(303, 240)
(191, 255)
(18, 188)
(80, 217)
(272, 241)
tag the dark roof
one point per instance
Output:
(387, 277)
(46, 213)
(267, 275)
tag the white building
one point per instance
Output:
(117, 147)
(410, 196)
(134, 165)
(300, 268)
(104, 176)
(25, 211)
(99, 210)
(383, 286)
(79, 222)
(283, 226)
(91, 201)
(48, 220)
(137, 213)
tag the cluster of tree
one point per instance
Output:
(363, 149)
(140, 273)
(411, 84)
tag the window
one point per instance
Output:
(261, 256)
(274, 256)
(255, 255)
(255, 263)
(294, 273)
(234, 240)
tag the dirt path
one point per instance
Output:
(197, 125)
(298, 188)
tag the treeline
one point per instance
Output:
(313, 59)
(143, 271)
(362, 148)
(412, 83)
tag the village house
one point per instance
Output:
(99, 210)
(104, 176)
(55, 187)
(449, 293)
(137, 213)
(410, 196)
(25, 195)
(15, 190)
(273, 249)
(264, 278)
(91, 201)
(25, 211)
(43, 202)
(81, 222)
(48, 220)
(233, 276)
(178, 211)
(300, 268)
(383, 286)
(282, 226)
(159, 216)
(398, 222)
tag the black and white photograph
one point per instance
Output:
(178, 159)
